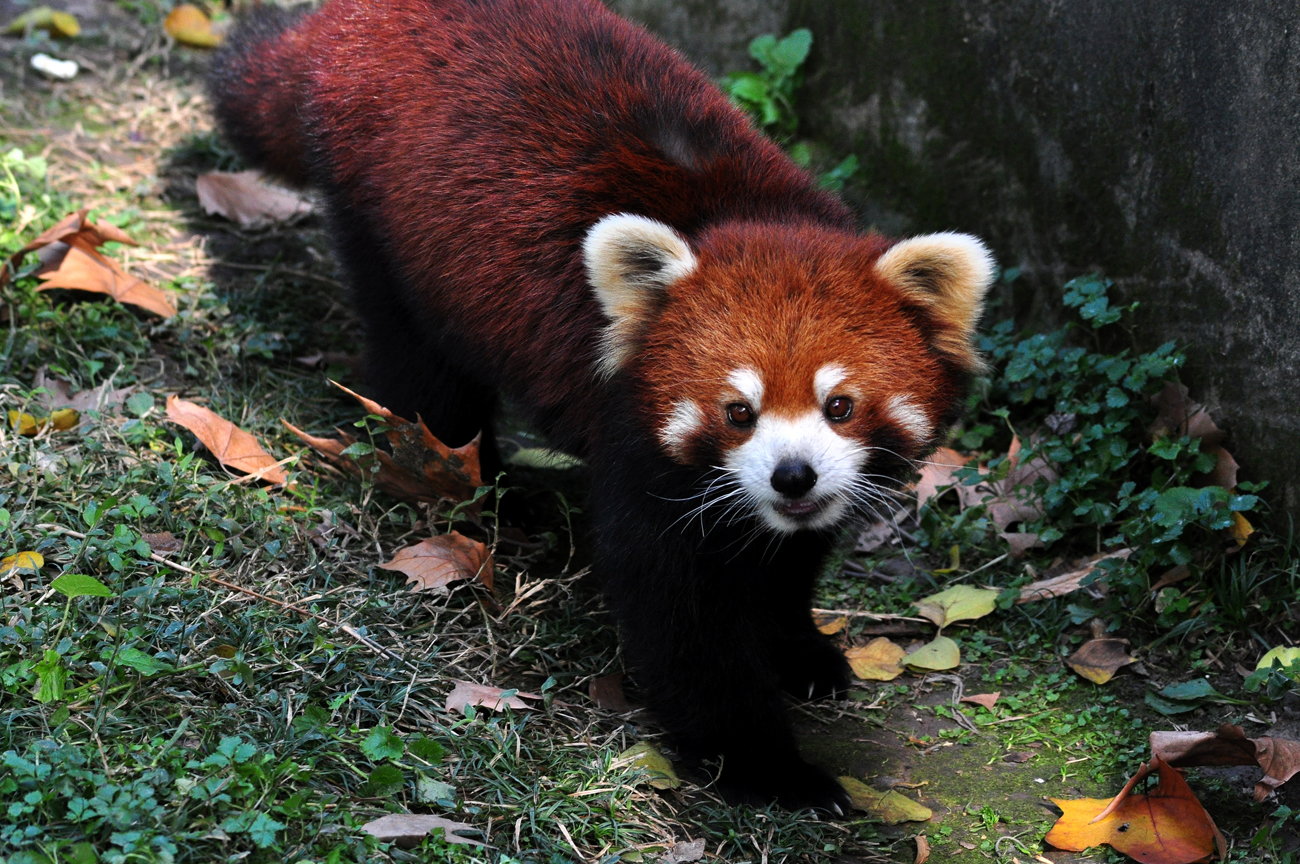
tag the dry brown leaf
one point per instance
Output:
(419, 468)
(987, 700)
(922, 849)
(1099, 659)
(70, 259)
(938, 471)
(1070, 580)
(162, 543)
(1166, 826)
(607, 692)
(1228, 745)
(436, 562)
(466, 693)
(232, 446)
(878, 660)
(410, 829)
(59, 394)
(247, 198)
(1177, 414)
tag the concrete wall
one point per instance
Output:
(1155, 141)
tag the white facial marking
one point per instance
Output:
(908, 414)
(750, 386)
(809, 439)
(826, 380)
(680, 426)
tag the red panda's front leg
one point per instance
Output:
(702, 611)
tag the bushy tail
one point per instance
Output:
(256, 84)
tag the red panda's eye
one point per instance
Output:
(740, 414)
(839, 408)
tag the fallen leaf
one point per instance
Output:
(1228, 745)
(12, 566)
(985, 700)
(958, 603)
(683, 852)
(31, 425)
(646, 756)
(190, 25)
(1279, 656)
(162, 542)
(1241, 529)
(419, 468)
(1099, 659)
(1069, 581)
(889, 806)
(878, 660)
(607, 692)
(247, 198)
(938, 474)
(936, 655)
(436, 562)
(70, 259)
(829, 624)
(484, 696)
(410, 829)
(59, 24)
(1014, 498)
(59, 394)
(922, 849)
(1166, 826)
(232, 446)
(1177, 414)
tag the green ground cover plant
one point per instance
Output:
(200, 668)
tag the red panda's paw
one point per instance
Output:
(796, 785)
(813, 668)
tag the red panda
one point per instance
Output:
(537, 199)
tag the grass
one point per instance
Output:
(249, 686)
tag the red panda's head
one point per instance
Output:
(801, 368)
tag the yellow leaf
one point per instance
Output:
(64, 418)
(1241, 529)
(1279, 656)
(61, 24)
(878, 660)
(829, 625)
(645, 756)
(958, 603)
(21, 562)
(890, 807)
(936, 655)
(24, 423)
(189, 25)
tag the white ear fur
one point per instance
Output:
(950, 273)
(630, 260)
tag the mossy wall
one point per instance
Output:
(1156, 142)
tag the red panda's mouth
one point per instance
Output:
(802, 509)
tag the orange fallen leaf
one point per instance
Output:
(417, 468)
(247, 198)
(436, 562)
(1166, 826)
(1099, 659)
(482, 695)
(189, 25)
(828, 624)
(232, 446)
(922, 849)
(70, 259)
(939, 471)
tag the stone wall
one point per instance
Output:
(1156, 142)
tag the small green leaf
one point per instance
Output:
(382, 744)
(81, 585)
(52, 676)
(145, 664)
(384, 780)
(429, 790)
(655, 764)
(425, 748)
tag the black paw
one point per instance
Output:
(794, 786)
(813, 668)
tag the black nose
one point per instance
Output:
(792, 478)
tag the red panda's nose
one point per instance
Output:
(793, 478)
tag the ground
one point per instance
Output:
(270, 714)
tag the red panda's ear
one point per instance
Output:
(630, 261)
(950, 274)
